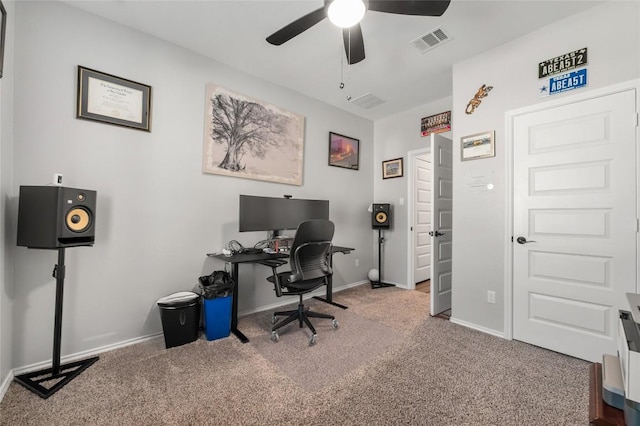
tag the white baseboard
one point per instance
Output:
(84, 354)
(5, 385)
(477, 327)
(93, 352)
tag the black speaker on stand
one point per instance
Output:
(54, 218)
(380, 219)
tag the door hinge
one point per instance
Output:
(637, 225)
(636, 117)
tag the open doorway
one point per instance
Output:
(420, 217)
(430, 212)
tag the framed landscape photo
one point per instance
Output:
(344, 151)
(113, 100)
(392, 168)
(479, 145)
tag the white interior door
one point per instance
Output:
(575, 219)
(422, 218)
(441, 231)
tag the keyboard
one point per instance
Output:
(251, 250)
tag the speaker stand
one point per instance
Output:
(50, 380)
(380, 283)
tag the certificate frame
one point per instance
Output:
(113, 100)
(476, 146)
(392, 168)
(3, 31)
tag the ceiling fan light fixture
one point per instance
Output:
(346, 13)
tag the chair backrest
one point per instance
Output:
(310, 251)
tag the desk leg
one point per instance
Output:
(329, 295)
(234, 306)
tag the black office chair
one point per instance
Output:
(309, 262)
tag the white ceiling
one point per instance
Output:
(234, 32)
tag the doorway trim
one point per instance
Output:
(411, 283)
(509, 199)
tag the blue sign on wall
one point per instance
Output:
(569, 81)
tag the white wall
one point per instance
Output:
(394, 137)
(158, 214)
(6, 154)
(611, 33)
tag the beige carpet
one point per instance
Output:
(357, 341)
(438, 373)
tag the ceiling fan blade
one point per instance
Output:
(353, 44)
(410, 7)
(296, 27)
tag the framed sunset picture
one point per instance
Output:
(344, 151)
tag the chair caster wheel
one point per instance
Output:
(335, 324)
(274, 336)
(312, 340)
(273, 319)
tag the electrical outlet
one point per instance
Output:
(357, 262)
(491, 296)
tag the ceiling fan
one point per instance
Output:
(351, 32)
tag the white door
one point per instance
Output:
(441, 231)
(575, 219)
(422, 218)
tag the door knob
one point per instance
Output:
(436, 233)
(523, 240)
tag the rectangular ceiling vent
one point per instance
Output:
(367, 101)
(432, 40)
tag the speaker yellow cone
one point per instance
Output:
(78, 219)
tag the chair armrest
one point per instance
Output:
(274, 264)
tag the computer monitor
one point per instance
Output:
(276, 214)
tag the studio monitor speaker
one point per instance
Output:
(51, 217)
(381, 216)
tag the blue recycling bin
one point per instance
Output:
(217, 317)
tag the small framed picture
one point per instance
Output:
(344, 151)
(113, 100)
(392, 168)
(480, 145)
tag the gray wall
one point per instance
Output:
(158, 214)
(6, 224)
(611, 33)
(394, 137)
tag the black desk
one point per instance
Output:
(239, 258)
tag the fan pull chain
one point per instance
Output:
(342, 85)
(341, 67)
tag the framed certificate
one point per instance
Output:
(480, 145)
(113, 100)
(3, 31)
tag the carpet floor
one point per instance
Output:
(387, 363)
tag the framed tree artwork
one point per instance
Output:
(251, 139)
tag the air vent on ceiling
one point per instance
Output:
(431, 40)
(367, 101)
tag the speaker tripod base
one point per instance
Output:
(380, 284)
(34, 381)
